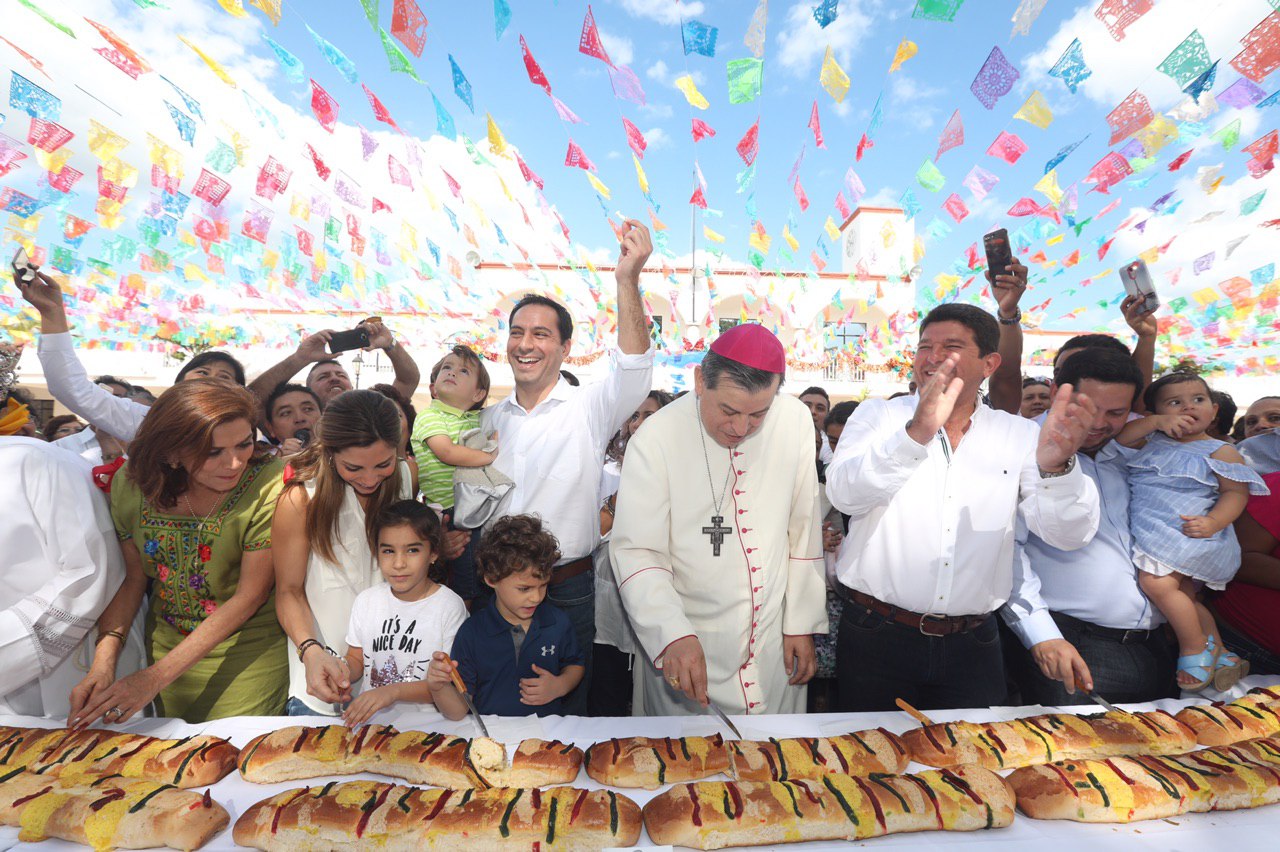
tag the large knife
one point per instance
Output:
(1099, 699)
(723, 718)
(462, 690)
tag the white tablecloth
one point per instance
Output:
(1234, 830)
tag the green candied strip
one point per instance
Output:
(182, 767)
(504, 827)
(795, 805)
(1097, 785)
(244, 764)
(141, 802)
(878, 778)
(662, 767)
(613, 813)
(844, 804)
(994, 750)
(8, 775)
(782, 761)
(324, 791)
(402, 802)
(551, 822)
(1048, 750)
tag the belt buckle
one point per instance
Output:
(1135, 635)
(924, 619)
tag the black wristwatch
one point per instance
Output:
(1013, 320)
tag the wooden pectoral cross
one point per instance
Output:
(717, 531)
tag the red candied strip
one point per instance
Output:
(875, 803)
(1065, 779)
(297, 794)
(438, 806)
(929, 795)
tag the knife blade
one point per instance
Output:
(723, 718)
(462, 690)
(1099, 699)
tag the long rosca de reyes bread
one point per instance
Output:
(651, 762)
(1256, 714)
(440, 760)
(713, 815)
(858, 753)
(1127, 789)
(359, 815)
(1052, 736)
(188, 762)
(108, 812)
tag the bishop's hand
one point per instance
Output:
(684, 666)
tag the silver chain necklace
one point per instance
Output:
(205, 520)
(717, 530)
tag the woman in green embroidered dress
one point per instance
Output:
(193, 509)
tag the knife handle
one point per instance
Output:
(454, 676)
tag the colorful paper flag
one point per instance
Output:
(995, 79)
(1130, 116)
(952, 135)
(979, 181)
(936, 10)
(1108, 171)
(396, 60)
(929, 177)
(33, 100)
(635, 139)
(210, 187)
(816, 126)
(323, 107)
(409, 26)
(1261, 54)
(626, 85)
(702, 130)
(698, 38)
(501, 18)
(1025, 15)
(1118, 15)
(589, 43)
(1242, 94)
(745, 79)
(461, 85)
(832, 77)
(335, 57)
(1187, 61)
(1008, 147)
(1063, 154)
(1070, 67)
(1035, 111)
(575, 157)
(906, 50)
(754, 39)
(749, 145)
(955, 207)
(210, 62)
(534, 70)
(691, 94)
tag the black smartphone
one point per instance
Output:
(999, 254)
(343, 341)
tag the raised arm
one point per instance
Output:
(408, 376)
(1005, 385)
(65, 375)
(1145, 326)
(633, 327)
(309, 351)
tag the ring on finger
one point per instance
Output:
(114, 713)
(674, 681)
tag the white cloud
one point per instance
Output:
(657, 139)
(619, 48)
(658, 71)
(657, 110)
(909, 94)
(1119, 66)
(802, 43)
(663, 11)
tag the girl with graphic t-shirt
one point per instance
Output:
(396, 626)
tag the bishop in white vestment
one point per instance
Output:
(717, 536)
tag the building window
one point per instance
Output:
(837, 337)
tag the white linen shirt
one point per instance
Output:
(931, 528)
(1097, 583)
(69, 384)
(553, 453)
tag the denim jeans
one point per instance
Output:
(461, 573)
(576, 597)
(1125, 672)
(879, 660)
(1261, 661)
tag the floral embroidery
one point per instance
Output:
(181, 551)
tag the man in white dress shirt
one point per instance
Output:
(933, 485)
(1079, 615)
(726, 610)
(552, 435)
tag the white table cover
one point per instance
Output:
(1229, 830)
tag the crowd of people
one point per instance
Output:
(298, 547)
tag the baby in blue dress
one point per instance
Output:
(1186, 490)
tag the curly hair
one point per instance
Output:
(516, 543)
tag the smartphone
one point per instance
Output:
(1137, 283)
(342, 341)
(23, 266)
(999, 254)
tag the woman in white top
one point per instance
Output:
(320, 537)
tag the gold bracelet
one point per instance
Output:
(116, 633)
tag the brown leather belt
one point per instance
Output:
(929, 625)
(569, 570)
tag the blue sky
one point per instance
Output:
(645, 34)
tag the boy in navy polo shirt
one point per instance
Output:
(517, 654)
